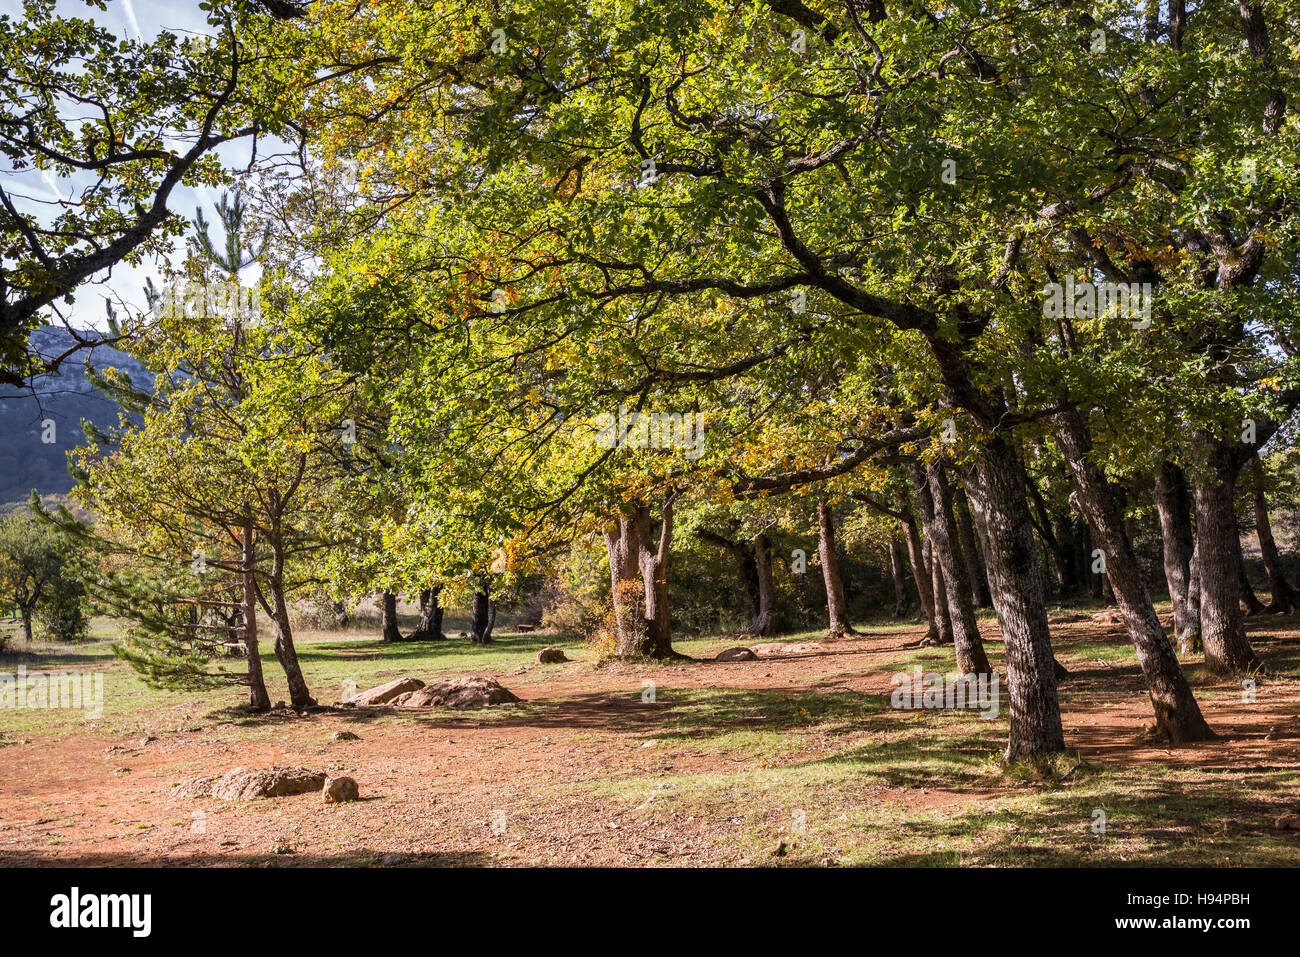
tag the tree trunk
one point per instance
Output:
(623, 537)
(639, 581)
(429, 625)
(653, 563)
(1248, 597)
(896, 563)
(1174, 507)
(940, 632)
(257, 694)
(1284, 598)
(1218, 546)
(970, 551)
(299, 696)
(1095, 580)
(1178, 717)
(836, 607)
(971, 658)
(921, 576)
(389, 630)
(26, 613)
(484, 616)
(1067, 534)
(942, 617)
(1190, 644)
(997, 493)
(768, 620)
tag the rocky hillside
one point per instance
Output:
(33, 453)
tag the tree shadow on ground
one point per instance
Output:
(1150, 824)
(376, 650)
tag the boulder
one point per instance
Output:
(475, 691)
(340, 789)
(345, 736)
(245, 784)
(739, 653)
(551, 655)
(385, 693)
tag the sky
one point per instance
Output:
(36, 191)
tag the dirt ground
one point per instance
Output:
(588, 772)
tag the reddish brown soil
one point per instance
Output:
(431, 783)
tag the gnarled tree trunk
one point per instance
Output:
(653, 562)
(995, 485)
(623, 537)
(429, 625)
(1218, 546)
(638, 569)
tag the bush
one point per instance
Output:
(61, 617)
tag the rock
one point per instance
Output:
(474, 691)
(392, 860)
(385, 693)
(464, 634)
(340, 789)
(245, 784)
(282, 847)
(344, 736)
(196, 787)
(525, 629)
(1108, 617)
(551, 655)
(739, 653)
